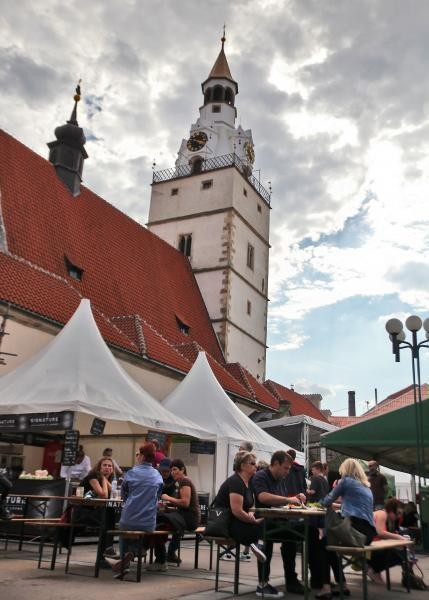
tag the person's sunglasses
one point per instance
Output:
(252, 463)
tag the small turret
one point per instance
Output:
(67, 153)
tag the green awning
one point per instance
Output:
(389, 438)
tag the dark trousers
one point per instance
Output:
(317, 555)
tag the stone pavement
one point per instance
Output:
(21, 580)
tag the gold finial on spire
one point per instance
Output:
(223, 38)
(76, 97)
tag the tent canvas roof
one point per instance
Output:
(390, 438)
(77, 371)
(200, 397)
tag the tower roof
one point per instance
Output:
(220, 69)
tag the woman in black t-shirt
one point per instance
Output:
(236, 494)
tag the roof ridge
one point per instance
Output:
(246, 379)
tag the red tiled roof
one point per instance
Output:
(126, 268)
(398, 399)
(256, 389)
(344, 421)
(56, 298)
(299, 405)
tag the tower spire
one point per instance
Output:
(220, 69)
(67, 152)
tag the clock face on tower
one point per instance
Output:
(197, 141)
(250, 153)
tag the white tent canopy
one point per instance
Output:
(200, 397)
(76, 371)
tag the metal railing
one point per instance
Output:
(211, 164)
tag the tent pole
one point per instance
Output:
(413, 487)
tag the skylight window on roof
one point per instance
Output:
(73, 271)
(183, 327)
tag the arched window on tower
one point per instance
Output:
(229, 96)
(217, 93)
(196, 164)
(207, 95)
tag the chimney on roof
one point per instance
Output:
(352, 404)
(67, 153)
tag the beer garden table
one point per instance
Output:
(282, 517)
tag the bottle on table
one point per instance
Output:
(114, 490)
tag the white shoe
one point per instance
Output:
(227, 556)
(245, 557)
(260, 556)
(156, 566)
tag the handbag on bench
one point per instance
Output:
(340, 531)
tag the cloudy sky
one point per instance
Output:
(337, 96)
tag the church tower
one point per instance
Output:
(215, 211)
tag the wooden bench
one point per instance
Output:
(226, 546)
(46, 525)
(346, 555)
(131, 534)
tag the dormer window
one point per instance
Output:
(73, 270)
(183, 327)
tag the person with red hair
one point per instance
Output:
(141, 490)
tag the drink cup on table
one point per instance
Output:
(80, 491)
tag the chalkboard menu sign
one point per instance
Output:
(37, 421)
(97, 426)
(157, 435)
(202, 447)
(71, 443)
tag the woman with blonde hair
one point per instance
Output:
(357, 500)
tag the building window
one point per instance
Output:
(244, 192)
(216, 108)
(175, 191)
(263, 285)
(250, 256)
(183, 327)
(196, 165)
(206, 185)
(259, 208)
(185, 244)
(249, 307)
(73, 271)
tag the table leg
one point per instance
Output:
(101, 541)
(305, 554)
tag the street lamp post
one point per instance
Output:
(397, 335)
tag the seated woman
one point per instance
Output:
(236, 494)
(391, 512)
(186, 516)
(98, 485)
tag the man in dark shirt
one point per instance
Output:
(319, 487)
(168, 483)
(268, 489)
(378, 484)
(294, 482)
